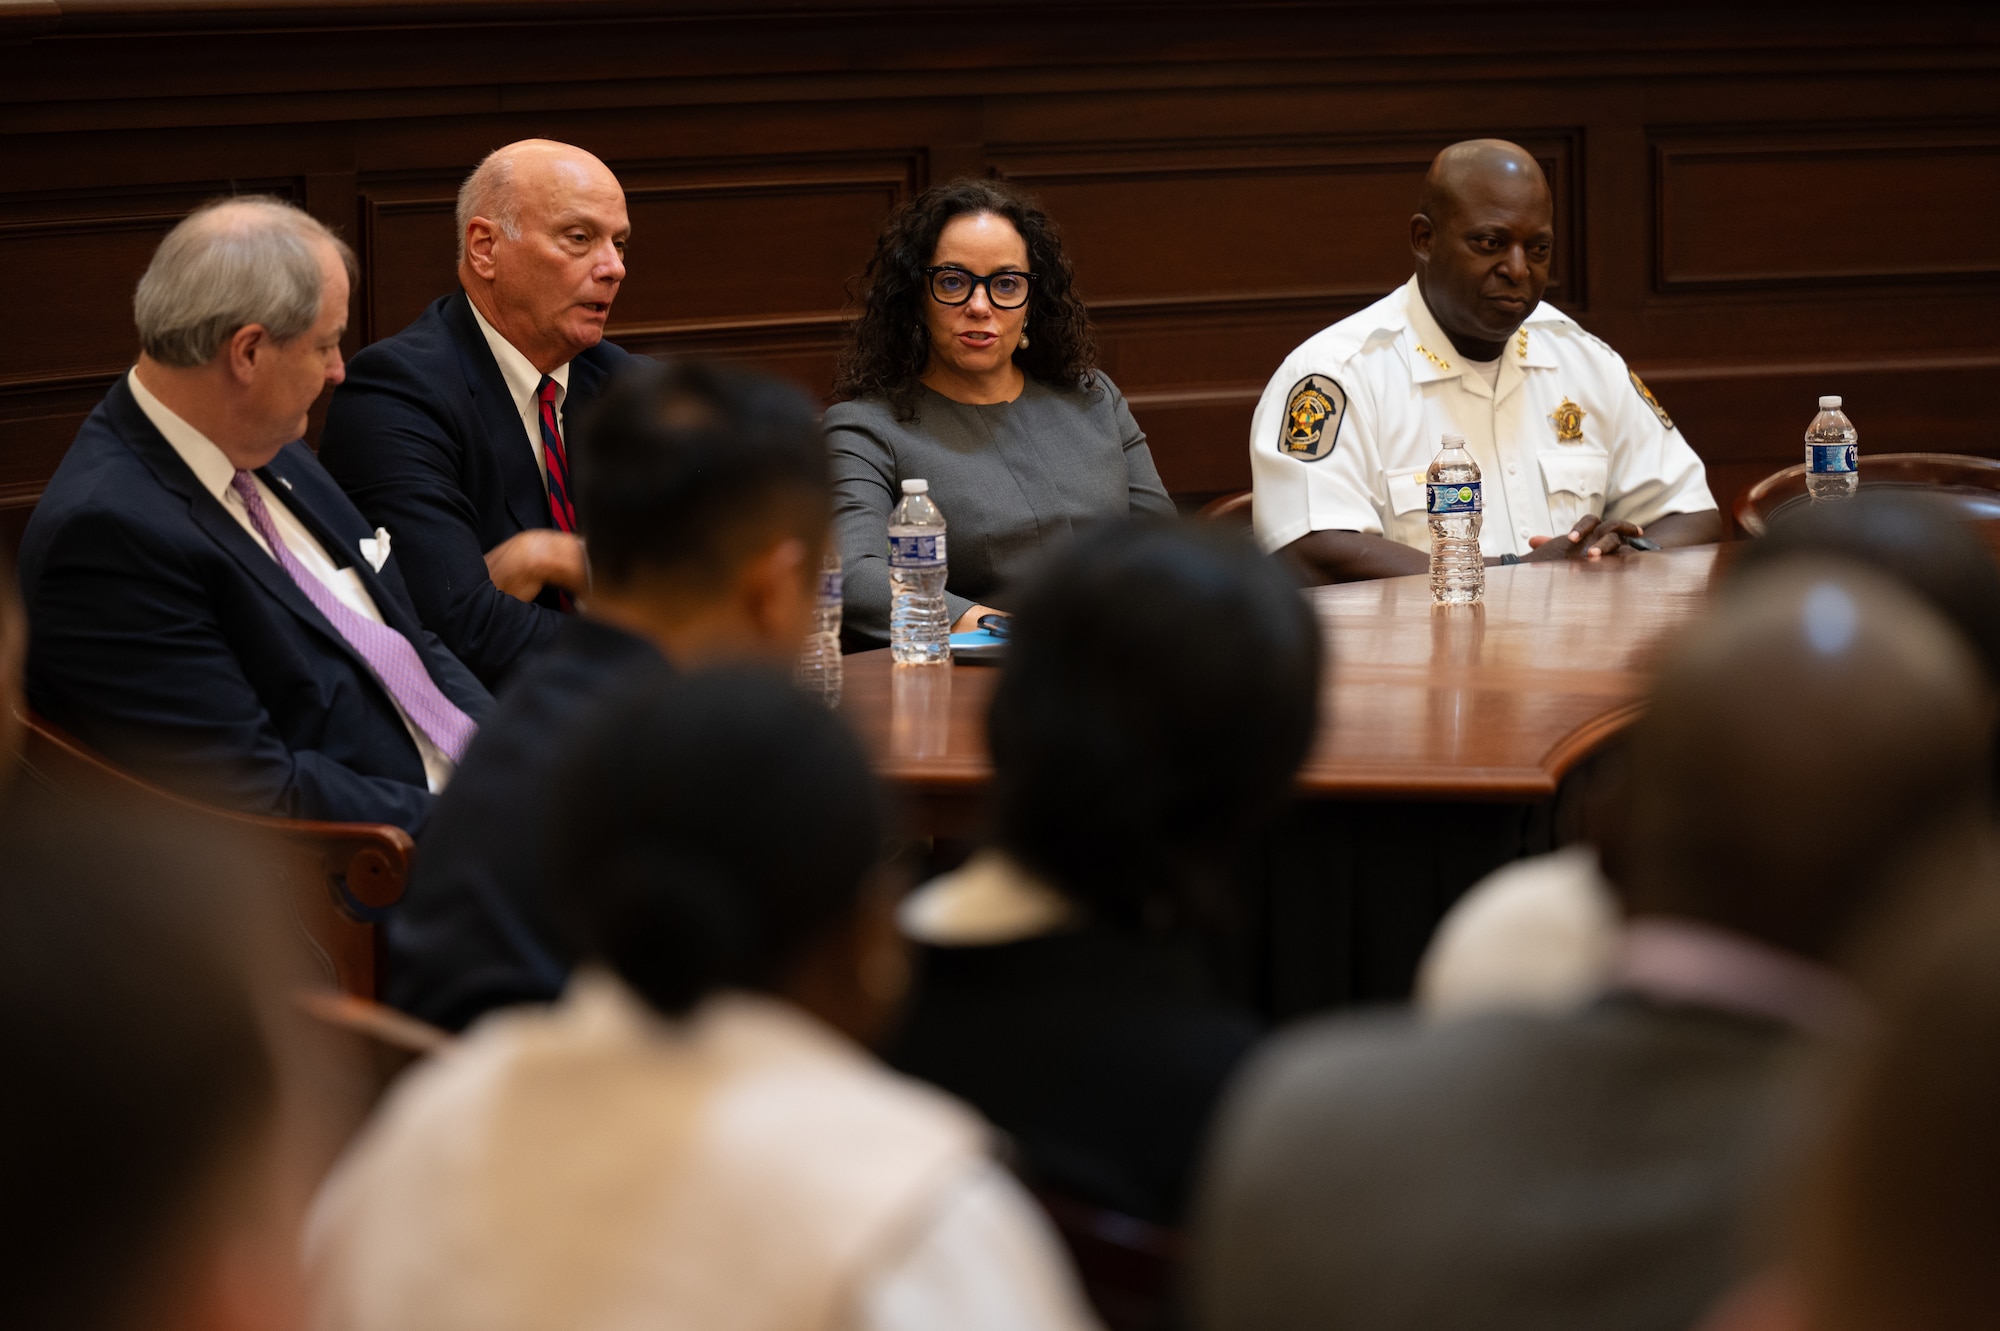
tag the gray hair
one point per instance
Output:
(229, 264)
(489, 193)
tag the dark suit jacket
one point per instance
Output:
(476, 929)
(1101, 1052)
(1567, 1173)
(425, 439)
(164, 636)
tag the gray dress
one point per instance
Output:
(1593, 1170)
(1012, 479)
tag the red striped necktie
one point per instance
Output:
(561, 510)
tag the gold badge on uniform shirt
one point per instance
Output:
(1568, 419)
(1313, 414)
(1651, 401)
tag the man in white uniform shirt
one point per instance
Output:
(1576, 456)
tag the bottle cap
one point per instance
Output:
(917, 487)
(1831, 403)
(1453, 441)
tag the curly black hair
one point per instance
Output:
(889, 345)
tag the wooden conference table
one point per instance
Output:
(1444, 739)
(1492, 702)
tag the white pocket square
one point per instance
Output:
(375, 549)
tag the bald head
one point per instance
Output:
(531, 169)
(1817, 733)
(1483, 238)
(1477, 168)
(541, 247)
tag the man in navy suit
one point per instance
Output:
(704, 495)
(452, 433)
(206, 605)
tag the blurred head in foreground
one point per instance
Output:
(685, 1139)
(13, 665)
(1902, 1211)
(145, 1155)
(1159, 694)
(702, 490)
(1918, 540)
(1820, 736)
(724, 834)
(1898, 1214)
(1811, 760)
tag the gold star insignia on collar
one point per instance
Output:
(1425, 352)
(1521, 344)
(1568, 419)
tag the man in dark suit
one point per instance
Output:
(206, 605)
(704, 494)
(1802, 759)
(451, 434)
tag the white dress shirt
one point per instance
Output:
(598, 1167)
(523, 382)
(989, 899)
(1539, 933)
(216, 474)
(1393, 385)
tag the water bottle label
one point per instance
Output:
(1448, 500)
(830, 588)
(1831, 459)
(917, 551)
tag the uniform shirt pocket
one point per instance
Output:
(1407, 521)
(1576, 480)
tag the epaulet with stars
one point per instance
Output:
(1589, 336)
(1638, 384)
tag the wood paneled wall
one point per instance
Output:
(1756, 204)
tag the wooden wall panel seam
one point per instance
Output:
(1706, 179)
(731, 132)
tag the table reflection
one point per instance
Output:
(920, 710)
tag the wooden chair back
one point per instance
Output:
(1972, 484)
(1233, 509)
(339, 877)
(1130, 1268)
(383, 1040)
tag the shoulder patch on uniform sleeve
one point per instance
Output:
(1313, 414)
(1651, 401)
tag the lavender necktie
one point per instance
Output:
(387, 652)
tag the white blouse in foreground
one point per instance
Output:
(595, 1167)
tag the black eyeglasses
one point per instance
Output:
(954, 286)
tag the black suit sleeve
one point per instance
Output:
(392, 447)
(107, 597)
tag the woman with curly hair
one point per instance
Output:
(972, 366)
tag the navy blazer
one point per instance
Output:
(477, 928)
(426, 440)
(163, 635)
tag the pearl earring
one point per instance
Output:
(1024, 335)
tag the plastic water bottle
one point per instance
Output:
(818, 671)
(1832, 459)
(1458, 570)
(919, 624)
